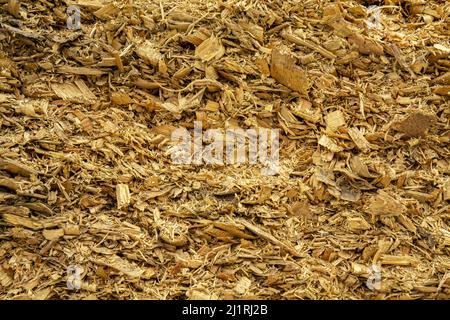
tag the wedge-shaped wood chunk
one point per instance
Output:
(357, 224)
(284, 70)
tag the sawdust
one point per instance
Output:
(88, 191)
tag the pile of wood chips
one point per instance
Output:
(359, 90)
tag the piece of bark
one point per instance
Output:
(15, 167)
(415, 125)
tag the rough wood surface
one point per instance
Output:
(88, 188)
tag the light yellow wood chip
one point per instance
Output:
(149, 53)
(123, 196)
(242, 285)
(329, 143)
(334, 120)
(359, 139)
(284, 70)
(54, 234)
(210, 49)
(383, 204)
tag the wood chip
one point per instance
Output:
(80, 71)
(123, 196)
(16, 167)
(383, 204)
(210, 49)
(149, 53)
(74, 92)
(334, 120)
(359, 139)
(53, 234)
(308, 44)
(415, 125)
(284, 70)
(267, 236)
(121, 265)
(330, 144)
